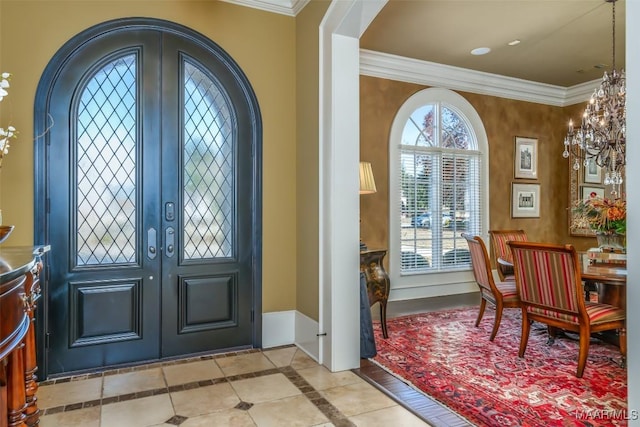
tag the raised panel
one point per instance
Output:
(207, 303)
(103, 312)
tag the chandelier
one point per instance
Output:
(602, 134)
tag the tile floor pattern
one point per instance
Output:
(275, 387)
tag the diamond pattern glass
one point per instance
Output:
(106, 166)
(208, 190)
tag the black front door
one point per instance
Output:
(151, 193)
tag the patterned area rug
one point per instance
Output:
(445, 356)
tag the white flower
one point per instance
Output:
(4, 84)
(10, 132)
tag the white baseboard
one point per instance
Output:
(307, 336)
(429, 291)
(291, 327)
(278, 328)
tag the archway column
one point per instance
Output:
(340, 31)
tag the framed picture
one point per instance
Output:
(525, 200)
(526, 158)
(588, 190)
(592, 172)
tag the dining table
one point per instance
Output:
(606, 275)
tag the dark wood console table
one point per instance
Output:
(378, 284)
(20, 269)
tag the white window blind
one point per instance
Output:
(440, 196)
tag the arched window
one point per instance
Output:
(438, 187)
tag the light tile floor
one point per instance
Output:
(276, 387)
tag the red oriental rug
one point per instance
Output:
(445, 356)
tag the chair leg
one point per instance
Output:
(585, 339)
(496, 321)
(483, 304)
(552, 332)
(622, 337)
(524, 337)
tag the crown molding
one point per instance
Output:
(393, 67)
(581, 92)
(283, 7)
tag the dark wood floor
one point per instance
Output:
(430, 410)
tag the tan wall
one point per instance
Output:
(307, 23)
(504, 119)
(262, 43)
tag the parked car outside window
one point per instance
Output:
(424, 220)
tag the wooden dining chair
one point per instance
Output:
(550, 288)
(500, 295)
(501, 254)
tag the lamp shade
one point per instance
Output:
(367, 183)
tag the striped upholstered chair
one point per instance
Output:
(500, 295)
(501, 252)
(550, 289)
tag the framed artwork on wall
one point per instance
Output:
(592, 172)
(526, 158)
(525, 200)
(589, 191)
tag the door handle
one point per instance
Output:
(169, 241)
(151, 243)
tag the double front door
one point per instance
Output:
(150, 194)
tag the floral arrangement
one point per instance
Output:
(603, 215)
(10, 131)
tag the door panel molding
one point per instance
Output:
(208, 302)
(92, 300)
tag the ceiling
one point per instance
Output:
(562, 41)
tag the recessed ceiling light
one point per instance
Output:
(480, 51)
(514, 42)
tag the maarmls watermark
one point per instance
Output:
(608, 414)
